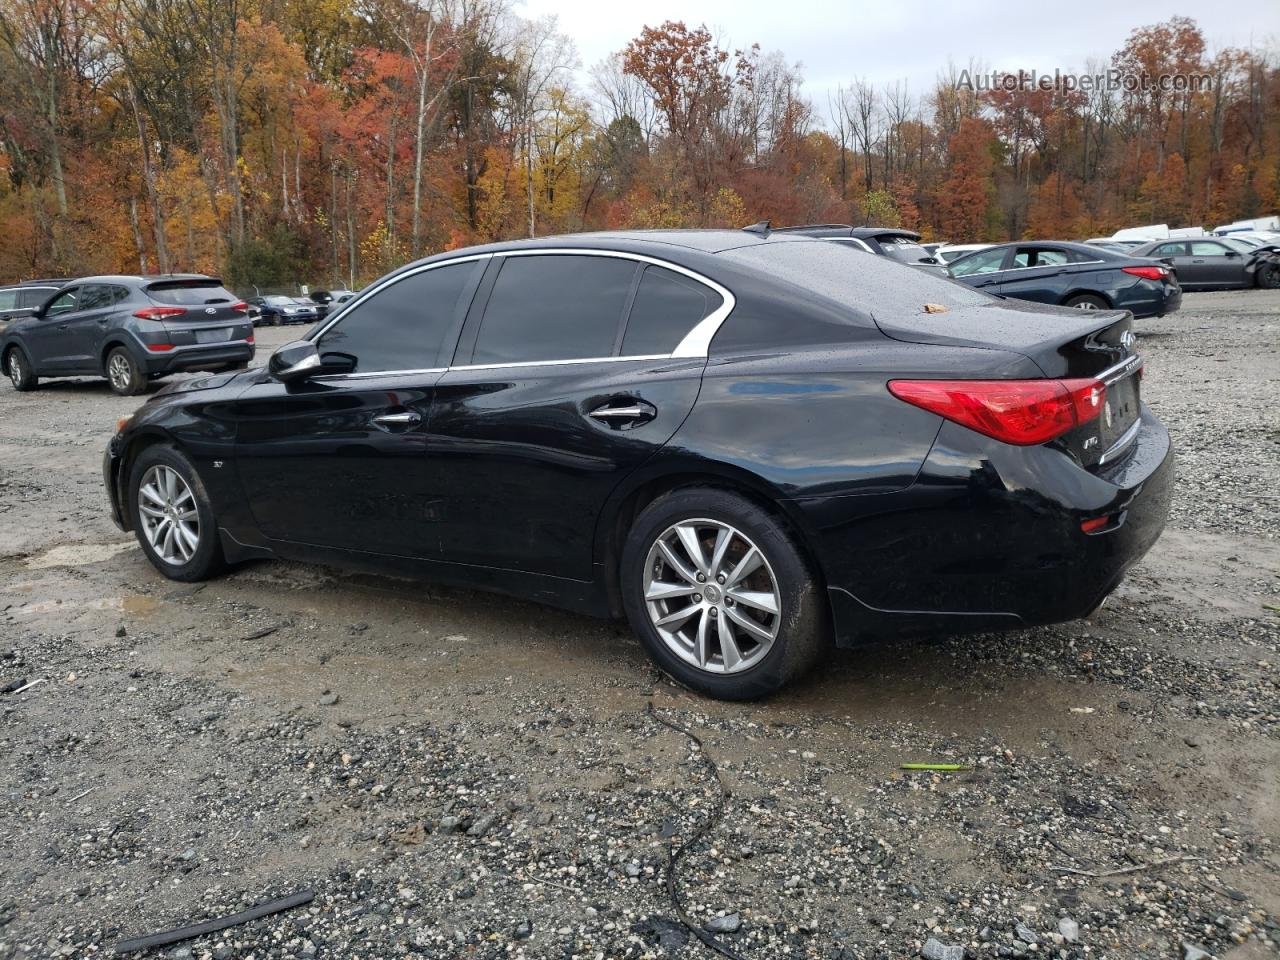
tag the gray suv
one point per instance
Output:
(129, 330)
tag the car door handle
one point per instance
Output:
(636, 412)
(406, 419)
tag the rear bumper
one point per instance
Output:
(989, 537)
(1147, 298)
(198, 357)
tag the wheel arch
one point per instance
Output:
(1086, 292)
(140, 441)
(113, 341)
(643, 489)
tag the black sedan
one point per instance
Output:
(1206, 263)
(747, 444)
(276, 310)
(1072, 275)
(130, 330)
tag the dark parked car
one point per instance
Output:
(1205, 263)
(902, 245)
(1072, 275)
(276, 310)
(22, 299)
(129, 330)
(746, 444)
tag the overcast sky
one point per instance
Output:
(886, 41)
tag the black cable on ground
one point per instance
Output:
(675, 853)
(213, 926)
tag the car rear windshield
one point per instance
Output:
(189, 293)
(877, 285)
(900, 248)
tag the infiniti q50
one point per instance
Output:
(750, 445)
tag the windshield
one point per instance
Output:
(1240, 244)
(905, 250)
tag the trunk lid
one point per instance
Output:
(1065, 343)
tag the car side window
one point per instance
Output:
(65, 302)
(554, 307)
(988, 261)
(1079, 256)
(1207, 248)
(33, 297)
(667, 306)
(402, 326)
(1169, 250)
(8, 299)
(99, 295)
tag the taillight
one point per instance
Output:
(249, 338)
(158, 313)
(1022, 412)
(1147, 273)
(240, 307)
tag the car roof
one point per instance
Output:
(845, 230)
(140, 277)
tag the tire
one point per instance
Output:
(1086, 301)
(752, 665)
(275, 321)
(1268, 278)
(177, 558)
(126, 377)
(19, 370)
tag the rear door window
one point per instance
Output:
(554, 307)
(402, 326)
(97, 296)
(667, 306)
(8, 299)
(35, 296)
(1170, 250)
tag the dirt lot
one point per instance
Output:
(456, 775)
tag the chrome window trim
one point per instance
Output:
(694, 345)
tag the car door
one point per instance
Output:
(82, 329)
(338, 461)
(46, 341)
(1217, 264)
(1174, 253)
(1036, 273)
(569, 375)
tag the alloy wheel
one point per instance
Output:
(1086, 305)
(167, 510)
(118, 371)
(15, 369)
(712, 596)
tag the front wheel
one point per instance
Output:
(720, 594)
(1087, 301)
(172, 515)
(124, 374)
(21, 374)
(1268, 278)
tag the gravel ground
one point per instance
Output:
(459, 776)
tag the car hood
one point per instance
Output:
(208, 382)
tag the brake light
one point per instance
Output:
(240, 307)
(1147, 273)
(158, 313)
(249, 338)
(159, 347)
(1022, 412)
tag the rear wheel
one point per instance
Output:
(1087, 301)
(720, 595)
(19, 369)
(124, 374)
(172, 515)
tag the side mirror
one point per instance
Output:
(1233, 253)
(294, 362)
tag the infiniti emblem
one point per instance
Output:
(1127, 339)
